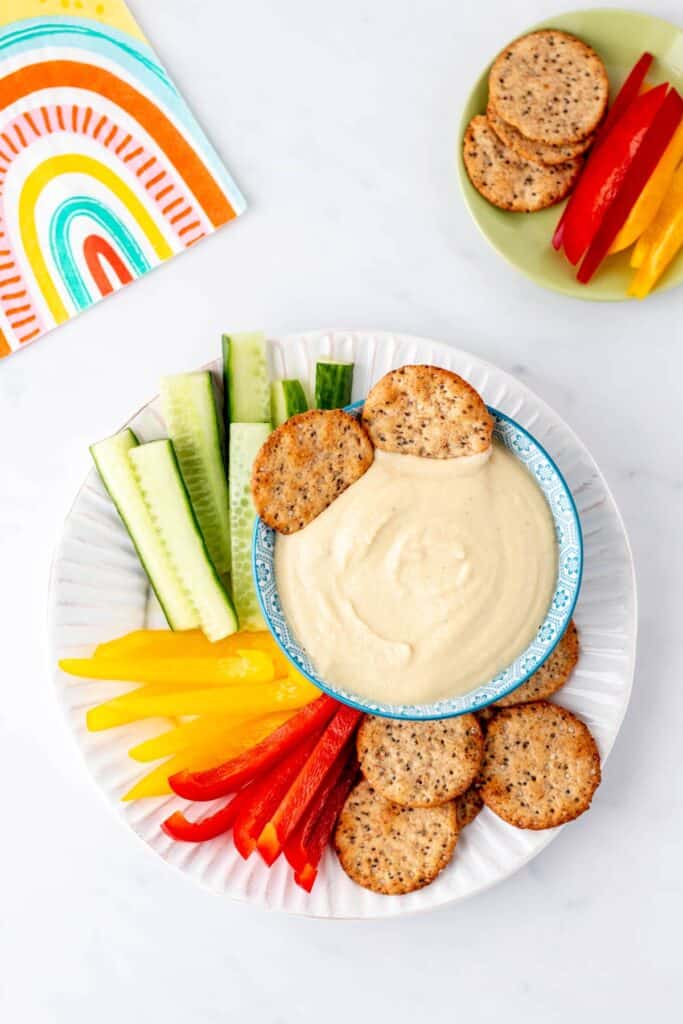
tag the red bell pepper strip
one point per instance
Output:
(622, 101)
(296, 849)
(644, 162)
(558, 237)
(233, 774)
(626, 94)
(605, 173)
(316, 843)
(181, 828)
(302, 791)
(264, 795)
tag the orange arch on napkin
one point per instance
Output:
(72, 74)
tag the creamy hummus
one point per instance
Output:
(425, 578)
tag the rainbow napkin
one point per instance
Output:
(104, 172)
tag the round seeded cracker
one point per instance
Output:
(420, 764)
(305, 464)
(551, 86)
(538, 152)
(468, 805)
(507, 179)
(484, 716)
(541, 766)
(391, 849)
(551, 676)
(427, 411)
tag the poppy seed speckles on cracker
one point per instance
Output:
(305, 464)
(541, 766)
(509, 180)
(420, 764)
(550, 86)
(390, 849)
(468, 804)
(542, 153)
(427, 411)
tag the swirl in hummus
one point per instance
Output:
(425, 578)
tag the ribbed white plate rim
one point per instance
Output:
(484, 835)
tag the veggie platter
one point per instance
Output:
(620, 233)
(259, 762)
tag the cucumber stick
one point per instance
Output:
(245, 441)
(287, 398)
(158, 474)
(333, 384)
(247, 383)
(189, 405)
(112, 460)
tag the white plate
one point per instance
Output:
(98, 591)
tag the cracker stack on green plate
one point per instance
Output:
(547, 95)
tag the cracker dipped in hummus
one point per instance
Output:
(419, 573)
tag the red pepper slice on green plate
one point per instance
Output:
(264, 795)
(626, 95)
(296, 849)
(290, 811)
(233, 774)
(641, 168)
(306, 875)
(605, 173)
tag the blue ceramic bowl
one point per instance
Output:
(570, 569)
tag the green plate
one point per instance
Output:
(524, 239)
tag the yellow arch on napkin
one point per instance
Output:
(75, 163)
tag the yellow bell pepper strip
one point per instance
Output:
(244, 666)
(111, 714)
(280, 695)
(650, 199)
(244, 735)
(120, 711)
(187, 736)
(201, 731)
(141, 641)
(155, 782)
(663, 239)
(162, 643)
(664, 213)
(639, 251)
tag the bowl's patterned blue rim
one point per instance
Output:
(570, 572)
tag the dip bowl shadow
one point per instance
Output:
(570, 570)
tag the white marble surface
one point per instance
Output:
(339, 122)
